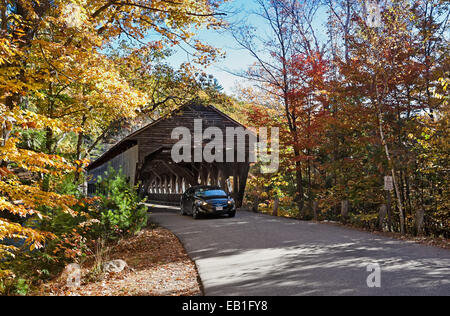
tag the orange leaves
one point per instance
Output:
(30, 198)
(23, 200)
(81, 164)
(8, 48)
(206, 54)
(71, 86)
(4, 172)
(260, 116)
(33, 161)
(174, 22)
(15, 208)
(35, 239)
(31, 120)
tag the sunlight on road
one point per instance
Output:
(255, 254)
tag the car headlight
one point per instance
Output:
(230, 202)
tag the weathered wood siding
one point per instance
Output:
(126, 161)
(145, 156)
(159, 134)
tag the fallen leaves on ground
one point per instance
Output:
(158, 266)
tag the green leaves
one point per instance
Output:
(121, 209)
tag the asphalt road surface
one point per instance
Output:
(259, 255)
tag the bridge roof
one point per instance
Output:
(132, 139)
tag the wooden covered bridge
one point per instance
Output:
(145, 157)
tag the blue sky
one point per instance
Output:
(236, 59)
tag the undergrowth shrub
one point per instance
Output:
(121, 209)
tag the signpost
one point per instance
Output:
(388, 187)
(373, 13)
(388, 183)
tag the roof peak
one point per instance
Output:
(129, 138)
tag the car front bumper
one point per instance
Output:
(214, 211)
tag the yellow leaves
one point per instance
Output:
(4, 172)
(172, 21)
(7, 51)
(82, 162)
(98, 95)
(12, 208)
(34, 238)
(26, 200)
(33, 161)
(66, 69)
(444, 82)
(23, 200)
(31, 120)
(206, 54)
(73, 14)
(6, 251)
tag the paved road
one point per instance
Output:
(255, 254)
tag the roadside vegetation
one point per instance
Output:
(85, 235)
(158, 265)
(75, 76)
(363, 103)
(354, 105)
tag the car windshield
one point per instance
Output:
(209, 193)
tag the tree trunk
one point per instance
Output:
(315, 210)
(344, 211)
(78, 156)
(389, 210)
(394, 178)
(389, 158)
(419, 221)
(49, 150)
(243, 176)
(276, 205)
(299, 185)
(382, 216)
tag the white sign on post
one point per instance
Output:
(388, 183)
(373, 13)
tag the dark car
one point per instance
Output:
(207, 200)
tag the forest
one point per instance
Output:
(364, 99)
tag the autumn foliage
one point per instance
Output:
(63, 90)
(354, 103)
(364, 103)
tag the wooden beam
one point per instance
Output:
(243, 176)
(235, 183)
(222, 178)
(215, 174)
(194, 167)
(174, 184)
(157, 175)
(178, 170)
(166, 185)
